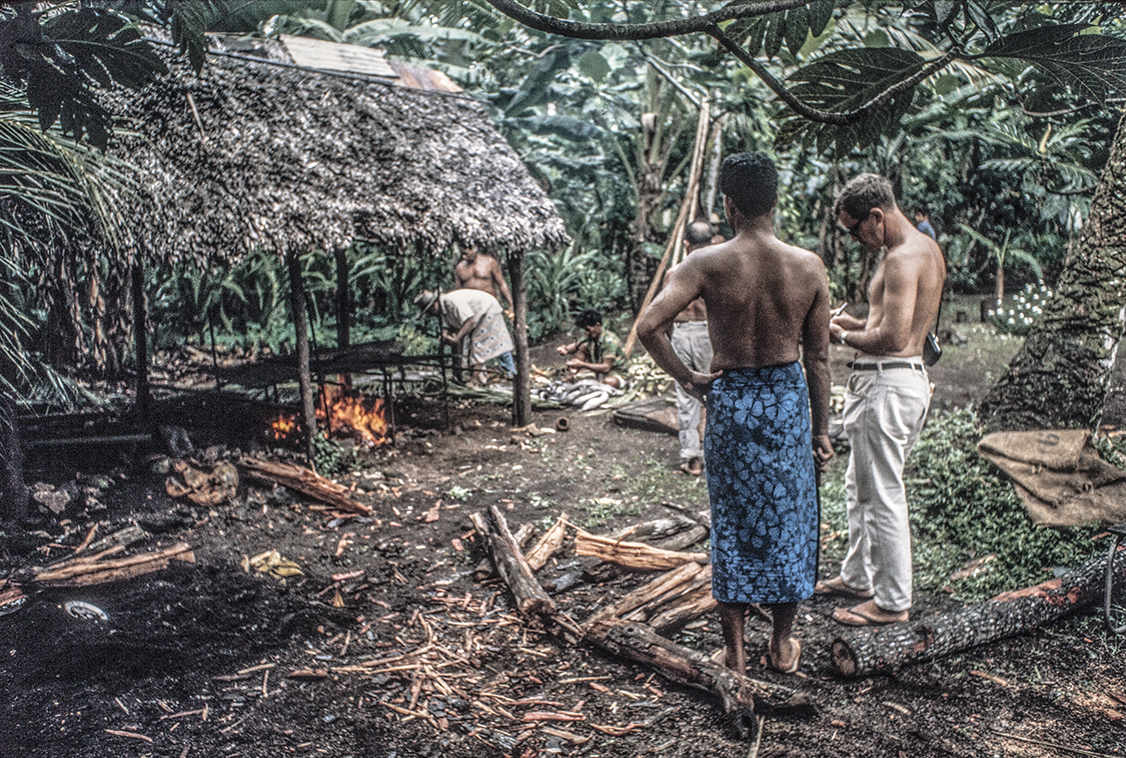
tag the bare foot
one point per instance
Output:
(786, 658)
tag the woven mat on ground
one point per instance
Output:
(1060, 478)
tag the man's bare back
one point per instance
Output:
(764, 298)
(760, 295)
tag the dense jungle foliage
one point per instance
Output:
(1002, 145)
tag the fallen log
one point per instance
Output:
(510, 563)
(871, 650)
(687, 538)
(658, 587)
(548, 544)
(83, 573)
(692, 607)
(301, 479)
(738, 693)
(632, 554)
(484, 568)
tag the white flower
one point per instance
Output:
(1011, 322)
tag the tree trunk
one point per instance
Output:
(13, 493)
(301, 332)
(1060, 377)
(999, 289)
(140, 335)
(1010, 613)
(522, 385)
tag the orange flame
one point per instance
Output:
(353, 413)
(283, 427)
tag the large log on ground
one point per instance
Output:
(522, 536)
(870, 650)
(633, 554)
(306, 482)
(739, 694)
(509, 560)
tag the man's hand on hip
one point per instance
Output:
(698, 383)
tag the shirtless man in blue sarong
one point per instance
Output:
(767, 302)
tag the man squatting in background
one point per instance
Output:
(765, 429)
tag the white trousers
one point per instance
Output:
(884, 412)
(691, 343)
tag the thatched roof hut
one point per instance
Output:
(256, 152)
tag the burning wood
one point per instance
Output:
(345, 412)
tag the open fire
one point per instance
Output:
(343, 413)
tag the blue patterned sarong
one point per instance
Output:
(762, 486)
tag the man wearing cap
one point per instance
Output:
(474, 320)
(887, 400)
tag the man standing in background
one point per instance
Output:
(693, 346)
(476, 271)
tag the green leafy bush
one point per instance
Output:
(331, 457)
(962, 508)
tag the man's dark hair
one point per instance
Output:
(589, 317)
(699, 233)
(862, 194)
(751, 181)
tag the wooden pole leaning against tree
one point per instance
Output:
(301, 333)
(687, 206)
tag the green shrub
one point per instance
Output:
(331, 457)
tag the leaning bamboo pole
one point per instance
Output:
(687, 206)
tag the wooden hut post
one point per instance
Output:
(522, 385)
(343, 299)
(301, 332)
(140, 336)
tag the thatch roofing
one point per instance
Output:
(253, 154)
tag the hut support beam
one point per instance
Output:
(301, 332)
(522, 386)
(140, 335)
(343, 299)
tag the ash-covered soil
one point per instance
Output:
(406, 653)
